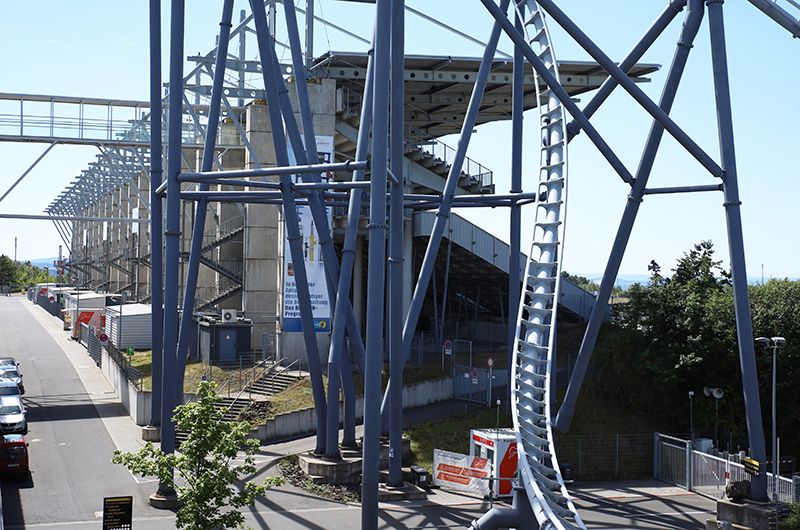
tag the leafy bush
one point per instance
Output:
(793, 521)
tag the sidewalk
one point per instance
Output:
(126, 435)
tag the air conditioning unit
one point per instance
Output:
(229, 316)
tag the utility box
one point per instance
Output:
(420, 476)
(219, 341)
(499, 446)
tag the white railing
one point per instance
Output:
(708, 474)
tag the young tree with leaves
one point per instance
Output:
(204, 466)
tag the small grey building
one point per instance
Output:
(129, 325)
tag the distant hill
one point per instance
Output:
(42, 262)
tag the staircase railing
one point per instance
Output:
(279, 372)
(207, 295)
(225, 228)
(416, 138)
(350, 103)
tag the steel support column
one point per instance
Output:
(515, 216)
(376, 269)
(396, 357)
(172, 234)
(271, 73)
(694, 17)
(209, 158)
(741, 300)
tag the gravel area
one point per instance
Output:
(291, 471)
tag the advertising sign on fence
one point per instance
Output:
(461, 472)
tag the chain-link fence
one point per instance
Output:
(606, 456)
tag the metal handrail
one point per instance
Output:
(279, 372)
(351, 101)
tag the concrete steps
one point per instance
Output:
(271, 384)
(234, 408)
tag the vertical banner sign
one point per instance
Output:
(461, 472)
(312, 256)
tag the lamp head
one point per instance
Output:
(779, 342)
(764, 341)
(691, 393)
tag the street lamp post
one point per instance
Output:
(691, 418)
(774, 343)
(717, 393)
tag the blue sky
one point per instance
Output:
(100, 49)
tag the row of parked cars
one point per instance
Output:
(13, 423)
(12, 411)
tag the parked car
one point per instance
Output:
(9, 362)
(9, 388)
(13, 375)
(14, 455)
(12, 415)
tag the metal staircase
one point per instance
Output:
(534, 361)
(230, 271)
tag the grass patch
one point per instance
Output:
(450, 434)
(195, 370)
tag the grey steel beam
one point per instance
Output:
(209, 159)
(629, 86)
(319, 215)
(172, 234)
(515, 216)
(40, 217)
(694, 17)
(448, 193)
(396, 258)
(28, 170)
(733, 219)
(779, 15)
(376, 269)
(608, 86)
(270, 73)
(682, 189)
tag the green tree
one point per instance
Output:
(678, 334)
(672, 336)
(205, 466)
(7, 270)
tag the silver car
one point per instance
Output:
(12, 415)
(13, 375)
(9, 388)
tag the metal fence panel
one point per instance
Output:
(471, 384)
(672, 460)
(95, 349)
(606, 456)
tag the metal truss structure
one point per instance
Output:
(206, 119)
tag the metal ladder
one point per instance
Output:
(534, 362)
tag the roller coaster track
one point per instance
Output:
(534, 361)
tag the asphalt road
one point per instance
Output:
(76, 422)
(70, 448)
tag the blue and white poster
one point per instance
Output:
(315, 267)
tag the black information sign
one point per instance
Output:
(118, 513)
(752, 467)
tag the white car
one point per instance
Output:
(12, 415)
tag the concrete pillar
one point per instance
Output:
(262, 244)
